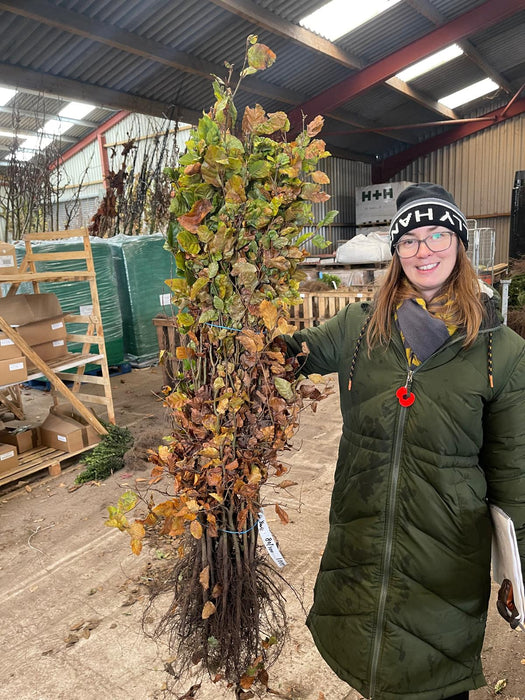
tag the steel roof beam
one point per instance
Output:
(84, 92)
(304, 37)
(116, 38)
(429, 11)
(13, 109)
(387, 168)
(112, 36)
(470, 22)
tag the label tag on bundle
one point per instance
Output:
(269, 541)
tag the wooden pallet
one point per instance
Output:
(317, 307)
(39, 458)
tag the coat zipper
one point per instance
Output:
(389, 538)
(387, 559)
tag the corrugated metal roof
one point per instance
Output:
(158, 56)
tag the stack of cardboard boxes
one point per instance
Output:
(63, 429)
(39, 319)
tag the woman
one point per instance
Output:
(432, 392)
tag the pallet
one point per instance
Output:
(317, 307)
(39, 458)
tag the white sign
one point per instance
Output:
(165, 299)
(269, 541)
(376, 204)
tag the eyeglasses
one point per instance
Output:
(505, 604)
(437, 242)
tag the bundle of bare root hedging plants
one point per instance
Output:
(242, 195)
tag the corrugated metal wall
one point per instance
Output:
(479, 171)
(345, 176)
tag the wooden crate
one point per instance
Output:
(317, 307)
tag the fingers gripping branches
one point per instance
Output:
(241, 197)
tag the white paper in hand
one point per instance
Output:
(506, 557)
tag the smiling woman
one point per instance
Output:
(432, 391)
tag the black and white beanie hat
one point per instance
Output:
(426, 204)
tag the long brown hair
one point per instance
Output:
(462, 288)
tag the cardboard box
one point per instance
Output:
(44, 331)
(23, 436)
(7, 259)
(37, 317)
(67, 412)
(61, 434)
(8, 349)
(8, 458)
(52, 350)
(13, 371)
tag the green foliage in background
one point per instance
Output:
(107, 457)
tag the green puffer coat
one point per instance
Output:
(401, 597)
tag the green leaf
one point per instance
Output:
(127, 501)
(188, 242)
(328, 219)
(185, 320)
(248, 71)
(208, 130)
(213, 269)
(218, 304)
(207, 316)
(259, 169)
(320, 241)
(284, 388)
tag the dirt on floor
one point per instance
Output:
(72, 594)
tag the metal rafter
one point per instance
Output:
(390, 166)
(304, 37)
(38, 116)
(116, 38)
(468, 23)
(83, 92)
(112, 36)
(429, 11)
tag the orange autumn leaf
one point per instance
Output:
(286, 484)
(196, 529)
(204, 578)
(315, 126)
(197, 213)
(283, 515)
(320, 177)
(208, 610)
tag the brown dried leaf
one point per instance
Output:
(268, 313)
(252, 117)
(320, 177)
(204, 578)
(315, 126)
(246, 682)
(283, 515)
(183, 352)
(263, 677)
(77, 625)
(196, 529)
(286, 484)
(208, 610)
(197, 213)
